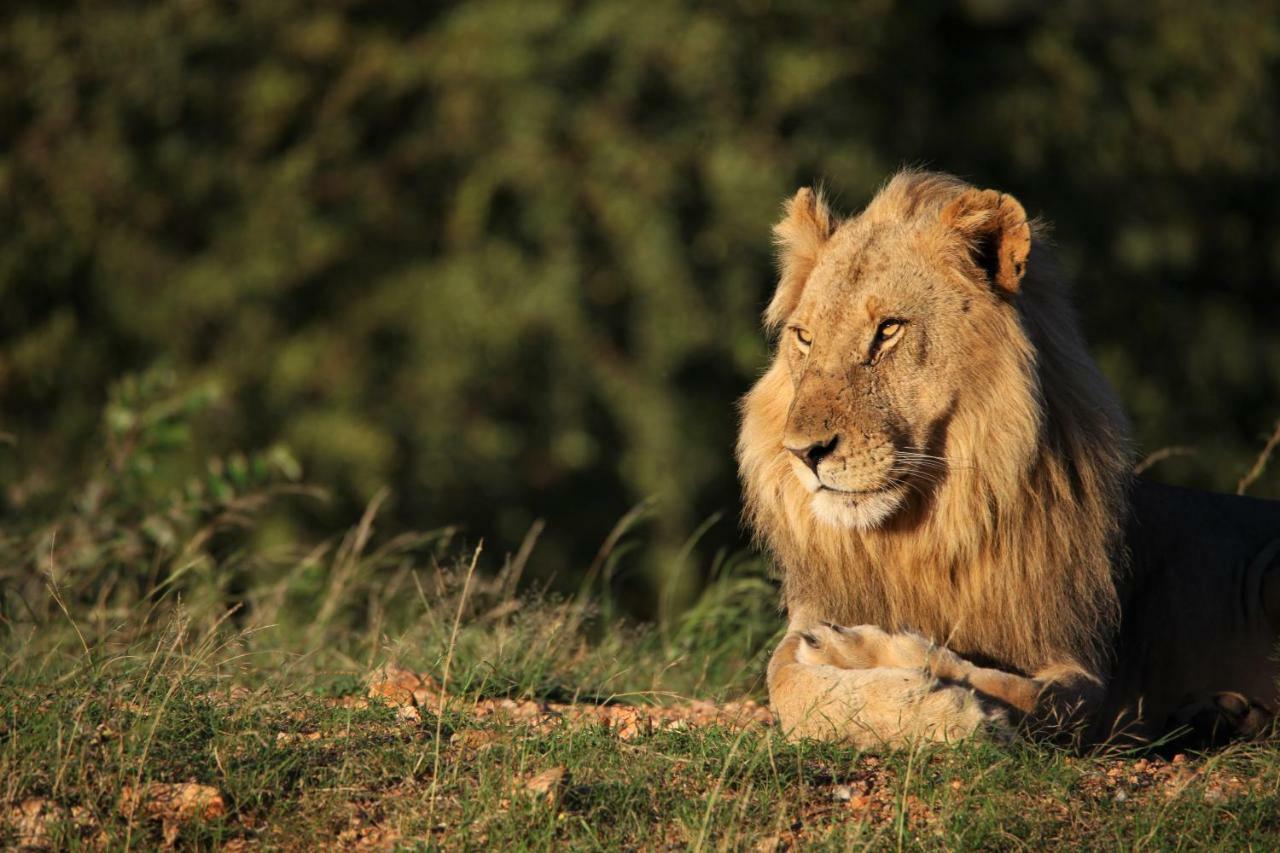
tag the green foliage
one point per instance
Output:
(129, 536)
(125, 557)
(507, 258)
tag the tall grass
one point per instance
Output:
(114, 565)
(153, 640)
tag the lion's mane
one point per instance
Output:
(1014, 557)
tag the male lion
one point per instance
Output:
(933, 452)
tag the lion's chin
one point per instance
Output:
(857, 512)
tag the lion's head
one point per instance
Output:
(932, 446)
(887, 320)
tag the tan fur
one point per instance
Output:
(817, 697)
(1002, 451)
(800, 236)
(870, 647)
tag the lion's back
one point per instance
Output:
(1201, 599)
(1197, 536)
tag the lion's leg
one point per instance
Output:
(866, 646)
(1056, 697)
(1057, 702)
(1016, 691)
(869, 707)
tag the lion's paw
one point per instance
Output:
(1214, 720)
(861, 647)
(866, 646)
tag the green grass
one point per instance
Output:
(152, 638)
(273, 720)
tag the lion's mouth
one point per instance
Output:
(852, 493)
(861, 509)
(817, 486)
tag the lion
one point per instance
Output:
(933, 458)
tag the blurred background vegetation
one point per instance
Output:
(506, 259)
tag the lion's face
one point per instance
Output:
(870, 349)
(879, 339)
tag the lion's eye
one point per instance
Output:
(887, 334)
(804, 338)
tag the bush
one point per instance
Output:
(507, 257)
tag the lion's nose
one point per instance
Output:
(814, 453)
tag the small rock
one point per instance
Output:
(548, 784)
(842, 793)
(173, 804)
(1221, 789)
(174, 800)
(31, 821)
(476, 739)
(394, 684)
(296, 737)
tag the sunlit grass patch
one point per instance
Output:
(299, 756)
(405, 690)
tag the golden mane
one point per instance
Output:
(1014, 556)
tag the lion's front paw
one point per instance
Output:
(866, 646)
(868, 687)
(861, 647)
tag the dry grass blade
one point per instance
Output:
(611, 541)
(52, 585)
(509, 577)
(1162, 454)
(347, 561)
(1259, 464)
(444, 677)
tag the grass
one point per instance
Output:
(277, 724)
(166, 679)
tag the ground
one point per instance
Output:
(190, 745)
(397, 691)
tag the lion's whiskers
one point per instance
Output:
(921, 460)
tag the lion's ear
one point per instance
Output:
(801, 233)
(997, 231)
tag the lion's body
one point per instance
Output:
(1200, 604)
(936, 451)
